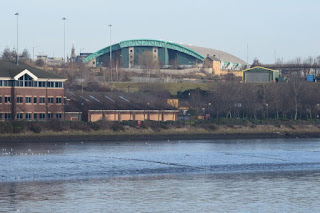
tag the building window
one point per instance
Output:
(58, 84)
(19, 100)
(7, 99)
(7, 116)
(42, 116)
(59, 116)
(28, 81)
(0, 99)
(28, 116)
(7, 83)
(49, 115)
(35, 116)
(28, 100)
(19, 116)
(25, 81)
(35, 100)
(50, 84)
(50, 100)
(42, 100)
(0, 116)
(42, 84)
(58, 100)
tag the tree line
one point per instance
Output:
(295, 99)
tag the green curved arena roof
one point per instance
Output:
(144, 42)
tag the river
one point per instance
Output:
(269, 175)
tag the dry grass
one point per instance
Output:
(236, 129)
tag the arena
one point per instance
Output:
(142, 53)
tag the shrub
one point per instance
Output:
(35, 128)
(18, 126)
(95, 126)
(56, 125)
(99, 125)
(212, 127)
(117, 127)
(80, 126)
(6, 127)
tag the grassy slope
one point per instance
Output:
(173, 88)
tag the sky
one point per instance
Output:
(265, 30)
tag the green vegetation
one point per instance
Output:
(101, 128)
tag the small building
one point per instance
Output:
(119, 106)
(259, 75)
(213, 63)
(30, 93)
(50, 61)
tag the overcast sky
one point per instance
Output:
(271, 29)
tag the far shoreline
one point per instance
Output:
(153, 137)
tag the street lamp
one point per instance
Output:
(17, 57)
(64, 39)
(110, 52)
(33, 52)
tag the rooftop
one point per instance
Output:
(221, 55)
(116, 101)
(9, 69)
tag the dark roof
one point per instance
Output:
(116, 101)
(9, 69)
(213, 58)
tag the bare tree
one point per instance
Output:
(148, 62)
(25, 55)
(296, 86)
(7, 54)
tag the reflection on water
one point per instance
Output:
(179, 176)
(179, 193)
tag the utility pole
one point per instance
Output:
(64, 39)
(17, 57)
(110, 53)
(247, 53)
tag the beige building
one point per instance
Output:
(117, 106)
(211, 62)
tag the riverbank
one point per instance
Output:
(186, 133)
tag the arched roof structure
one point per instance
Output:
(145, 43)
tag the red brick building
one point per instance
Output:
(30, 93)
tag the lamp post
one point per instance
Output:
(17, 57)
(110, 52)
(64, 39)
(189, 109)
(33, 52)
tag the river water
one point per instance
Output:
(270, 175)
